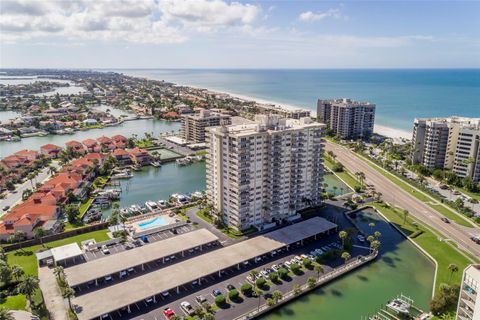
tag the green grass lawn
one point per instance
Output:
(26, 258)
(441, 251)
(230, 232)
(458, 218)
(344, 175)
(18, 302)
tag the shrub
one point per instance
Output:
(260, 282)
(357, 189)
(311, 282)
(446, 300)
(233, 294)
(307, 263)
(416, 234)
(220, 300)
(283, 273)
(273, 276)
(295, 268)
(246, 289)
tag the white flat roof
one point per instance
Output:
(176, 140)
(142, 287)
(110, 264)
(65, 252)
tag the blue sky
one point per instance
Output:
(244, 34)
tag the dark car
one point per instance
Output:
(230, 287)
(216, 292)
(445, 220)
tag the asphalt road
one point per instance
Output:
(12, 199)
(394, 194)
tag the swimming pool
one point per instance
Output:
(155, 222)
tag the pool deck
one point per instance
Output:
(136, 226)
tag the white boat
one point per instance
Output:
(399, 306)
(156, 164)
(151, 205)
(162, 203)
(126, 174)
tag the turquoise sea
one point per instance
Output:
(400, 95)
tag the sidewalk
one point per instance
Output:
(51, 294)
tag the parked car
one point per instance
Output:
(168, 313)
(445, 220)
(200, 299)
(230, 287)
(108, 278)
(165, 293)
(149, 300)
(187, 307)
(216, 292)
(105, 316)
(105, 250)
(275, 267)
(475, 239)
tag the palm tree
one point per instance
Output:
(17, 272)
(452, 268)
(361, 177)
(405, 215)
(253, 275)
(259, 294)
(27, 287)
(370, 238)
(30, 177)
(318, 270)
(371, 225)
(374, 245)
(277, 295)
(346, 256)
(377, 234)
(5, 272)
(343, 235)
(39, 233)
(6, 314)
(68, 294)
(58, 272)
(52, 170)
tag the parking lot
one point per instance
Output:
(92, 255)
(154, 311)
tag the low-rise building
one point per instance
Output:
(140, 156)
(50, 150)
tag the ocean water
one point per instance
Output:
(400, 95)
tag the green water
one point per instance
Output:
(401, 268)
(159, 183)
(335, 186)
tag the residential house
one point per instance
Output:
(76, 146)
(92, 145)
(120, 141)
(107, 143)
(140, 156)
(50, 150)
(122, 157)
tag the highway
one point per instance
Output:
(394, 194)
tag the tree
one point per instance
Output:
(28, 287)
(361, 177)
(311, 282)
(453, 268)
(374, 245)
(259, 295)
(283, 273)
(297, 289)
(26, 194)
(39, 233)
(59, 272)
(318, 270)
(277, 295)
(343, 236)
(377, 234)
(446, 300)
(5, 272)
(370, 238)
(273, 276)
(220, 300)
(17, 272)
(405, 215)
(253, 275)
(260, 282)
(246, 289)
(72, 212)
(346, 256)
(295, 268)
(6, 314)
(30, 177)
(69, 293)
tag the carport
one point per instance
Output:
(137, 257)
(124, 294)
(64, 254)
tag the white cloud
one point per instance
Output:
(136, 21)
(310, 16)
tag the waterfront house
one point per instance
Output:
(92, 145)
(90, 122)
(122, 157)
(50, 150)
(140, 156)
(106, 143)
(76, 146)
(120, 141)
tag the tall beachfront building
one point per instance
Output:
(448, 143)
(194, 125)
(347, 118)
(262, 173)
(469, 299)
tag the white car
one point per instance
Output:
(275, 268)
(288, 264)
(149, 300)
(187, 307)
(108, 278)
(165, 293)
(105, 249)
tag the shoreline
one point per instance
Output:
(389, 132)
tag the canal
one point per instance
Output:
(159, 183)
(401, 268)
(128, 128)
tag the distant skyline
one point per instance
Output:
(243, 34)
